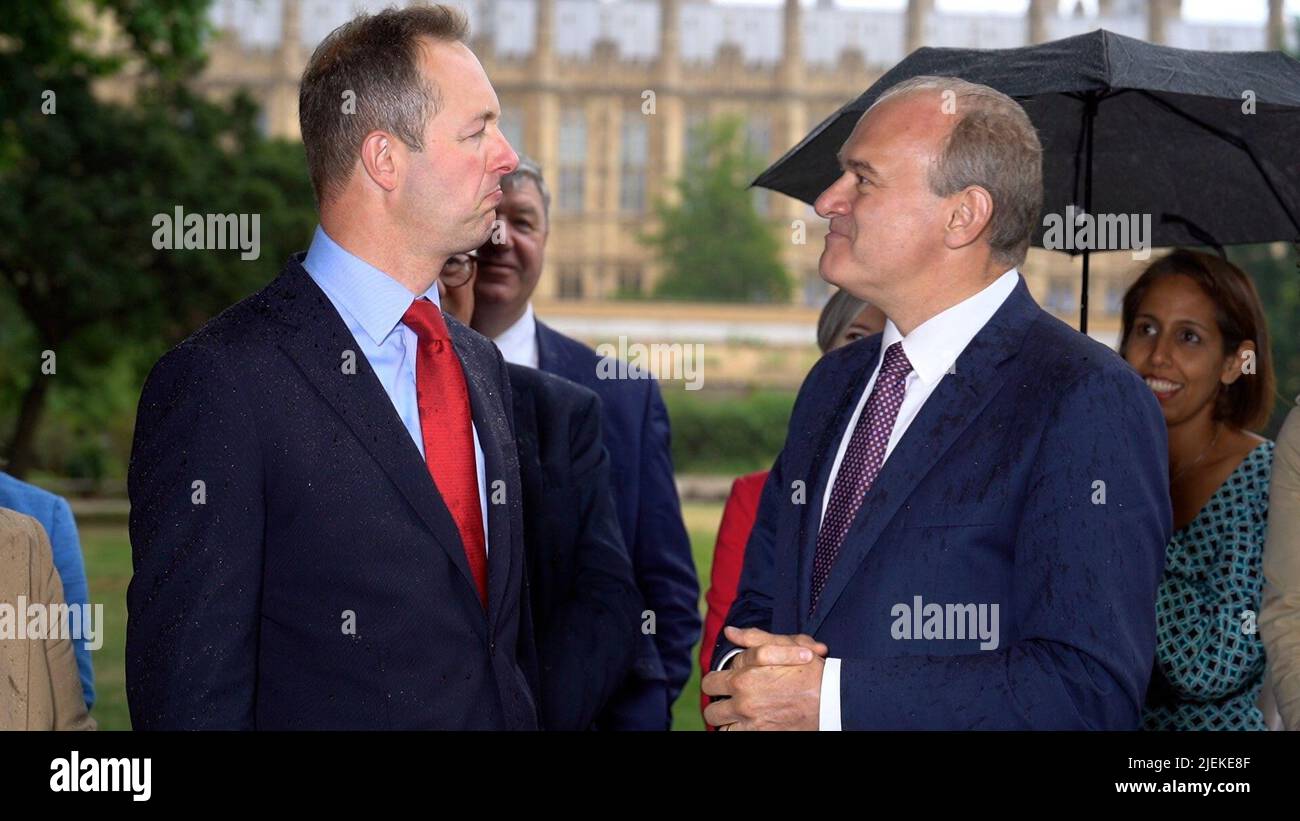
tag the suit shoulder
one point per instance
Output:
(570, 347)
(586, 366)
(1067, 357)
(239, 331)
(25, 534)
(549, 387)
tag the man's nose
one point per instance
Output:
(509, 159)
(832, 202)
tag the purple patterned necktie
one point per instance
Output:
(862, 460)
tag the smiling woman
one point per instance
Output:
(1194, 328)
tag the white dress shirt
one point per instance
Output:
(932, 348)
(518, 343)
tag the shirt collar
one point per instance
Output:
(374, 299)
(933, 346)
(518, 343)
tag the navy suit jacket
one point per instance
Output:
(1035, 477)
(586, 607)
(321, 582)
(636, 434)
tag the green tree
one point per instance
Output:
(712, 244)
(82, 179)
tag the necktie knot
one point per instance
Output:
(896, 363)
(424, 318)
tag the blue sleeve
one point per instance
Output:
(665, 567)
(71, 568)
(1086, 571)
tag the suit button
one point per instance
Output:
(492, 646)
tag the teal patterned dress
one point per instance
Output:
(1209, 656)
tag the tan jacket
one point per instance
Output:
(1279, 621)
(40, 688)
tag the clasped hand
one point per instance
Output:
(773, 684)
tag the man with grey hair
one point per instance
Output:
(966, 528)
(636, 434)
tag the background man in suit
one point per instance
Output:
(325, 499)
(636, 433)
(967, 525)
(586, 608)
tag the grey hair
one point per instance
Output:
(994, 146)
(529, 170)
(837, 315)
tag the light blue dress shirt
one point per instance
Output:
(371, 304)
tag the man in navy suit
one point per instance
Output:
(636, 434)
(966, 527)
(585, 605)
(325, 496)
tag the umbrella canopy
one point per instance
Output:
(1207, 143)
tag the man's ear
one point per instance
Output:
(379, 159)
(972, 208)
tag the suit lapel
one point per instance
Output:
(487, 404)
(316, 345)
(549, 357)
(957, 401)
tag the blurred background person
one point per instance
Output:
(43, 690)
(1194, 329)
(635, 432)
(586, 608)
(55, 516)
(843, 319)
(1279, 621)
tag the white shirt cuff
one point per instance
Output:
(829, 714)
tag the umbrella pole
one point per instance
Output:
(1083, 298)
(1089, 114)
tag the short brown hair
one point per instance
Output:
(376, 59)
(1246, 403)
(993, 145)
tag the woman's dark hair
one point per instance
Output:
(1248, 402)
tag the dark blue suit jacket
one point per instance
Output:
(636, 433)
(1035, 477)
(318, 515)
(586, 607)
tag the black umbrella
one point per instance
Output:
(1205, 142)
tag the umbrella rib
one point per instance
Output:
(1231, 139)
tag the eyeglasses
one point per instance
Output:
(458, 269)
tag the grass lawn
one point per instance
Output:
(108, 568)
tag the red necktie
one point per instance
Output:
(446, 428)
